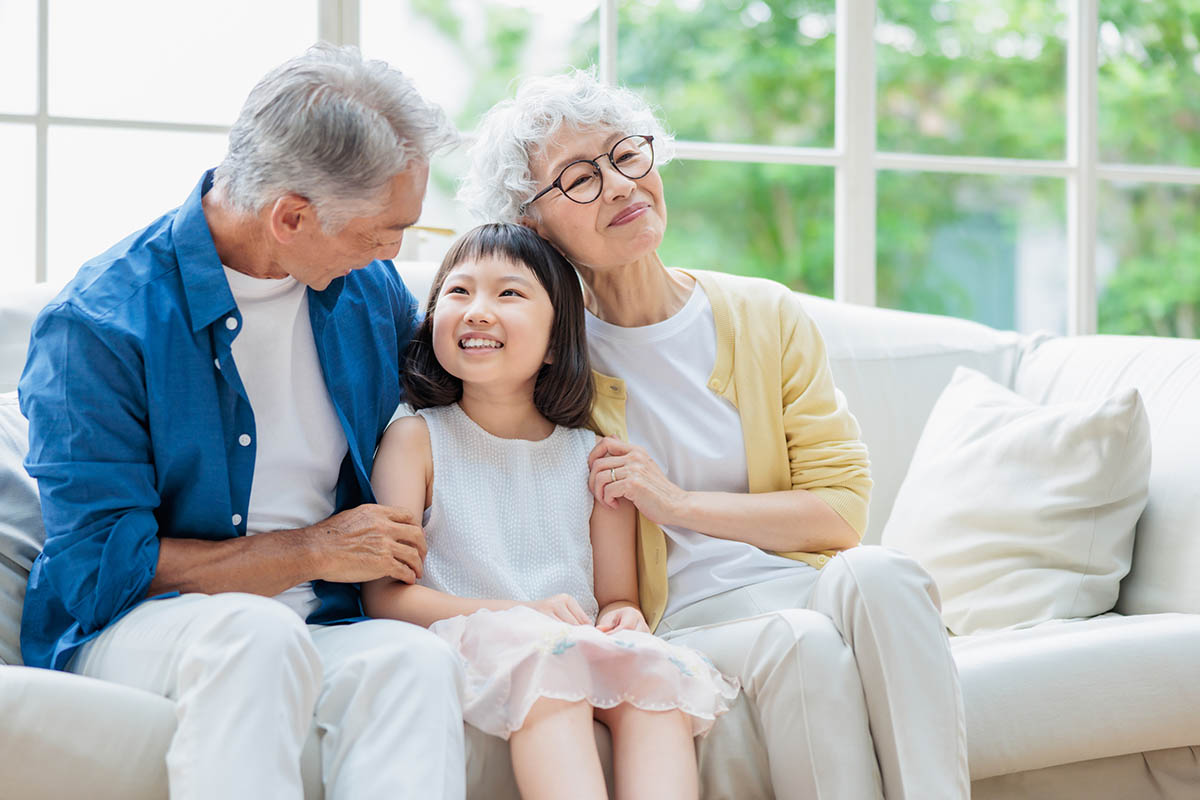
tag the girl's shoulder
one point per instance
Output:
(407, 431)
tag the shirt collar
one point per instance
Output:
(204, 284)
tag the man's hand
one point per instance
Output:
(562, 607)
(368, 542)
(625, 618)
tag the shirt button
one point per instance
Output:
(231, 323)
(244, 440)
(237, 520)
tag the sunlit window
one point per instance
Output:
(983, 150)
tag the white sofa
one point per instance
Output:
(1101, 708)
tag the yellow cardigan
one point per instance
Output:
(771, 365)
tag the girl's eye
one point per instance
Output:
(456, 290)
(511, 293)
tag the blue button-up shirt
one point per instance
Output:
(136, 409)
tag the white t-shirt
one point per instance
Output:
(300, 441)
(692, 433)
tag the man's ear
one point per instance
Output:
(289, 216)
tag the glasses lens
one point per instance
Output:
(581, 181)
(633, 156)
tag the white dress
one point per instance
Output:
(509, 518)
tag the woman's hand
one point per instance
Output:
(562, 607)
(622, 470)
(625, 618)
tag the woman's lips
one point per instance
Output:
(629, 214)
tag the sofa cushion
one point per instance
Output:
(1167, 373)
(21, 532)
(891, 366)
(69, 736)
(1074, 691)
(1023, 513)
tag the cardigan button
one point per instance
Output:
(237, 520)
(231, 323)
(244, 440)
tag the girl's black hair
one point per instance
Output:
(563, 391)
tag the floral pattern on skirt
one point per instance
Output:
(511, 658)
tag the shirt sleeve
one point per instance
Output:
(825, 451)
(83, 392)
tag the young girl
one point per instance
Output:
(521, 561)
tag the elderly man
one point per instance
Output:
(204, 403)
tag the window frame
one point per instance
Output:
(855, 159)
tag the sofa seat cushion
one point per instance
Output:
(69, 736)
(1081, 690)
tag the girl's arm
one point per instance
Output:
(614, 532)
(403, 478)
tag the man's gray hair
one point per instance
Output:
(514, 132)
(333, 128)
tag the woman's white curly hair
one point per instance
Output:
(514, 132)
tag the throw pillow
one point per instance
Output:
(21, 532)
(1023, 513)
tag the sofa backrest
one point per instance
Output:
(892, 365)
(18, 307)
(21, 531)
(1166, 372)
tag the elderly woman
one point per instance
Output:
(724, 428)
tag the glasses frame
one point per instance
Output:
(595, 162)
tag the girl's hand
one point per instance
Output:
(562, 607)
(622, 470)
(625, 618)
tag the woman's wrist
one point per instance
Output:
(681, 508)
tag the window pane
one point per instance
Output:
(105, 184)
(974, 77)
(196, 62)
(1148, 259)
(18, 56)
(17, 201)
(465, 54)
(758, 72)
(770, 220)
(989, 249)
(1149, 82)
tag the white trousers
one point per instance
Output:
(250, 679)
(849, 680)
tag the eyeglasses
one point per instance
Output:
(583, 180)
